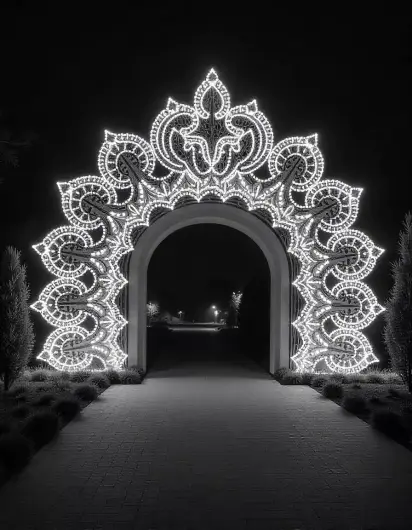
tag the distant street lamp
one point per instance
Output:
(216, 314)
(180, 313)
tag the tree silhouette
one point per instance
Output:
(398, 316)
(16, 328)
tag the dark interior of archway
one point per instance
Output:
(194, 269)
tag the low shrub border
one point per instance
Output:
(42, 402)
(379, 398)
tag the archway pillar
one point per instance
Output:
(232, 217)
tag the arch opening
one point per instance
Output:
(220, 214)
(208, 301)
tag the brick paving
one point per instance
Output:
(213, 445)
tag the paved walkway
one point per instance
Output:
(213, 446)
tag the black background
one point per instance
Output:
(73, 71)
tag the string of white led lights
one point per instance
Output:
(208, 149)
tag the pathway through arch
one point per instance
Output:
(213, 445)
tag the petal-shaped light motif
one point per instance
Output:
(340, 201)
(123, 157)
(209, 148)
(54, 302)
(364, 305)
(58, 350)
(300, 154)
(359, 254)
(81, 199)
(61, 251)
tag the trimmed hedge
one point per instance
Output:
(99, 380)
(354, 404)
(45, 400)
(40, 376)
(319, 381)
(280, 373)
(67, 408)
(113, 376)
(332, 390)
(80, 376)
(41, 428)
(129, 377)
(291, 379)
(86, 392)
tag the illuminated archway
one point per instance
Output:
(223, 214)
(212, 152)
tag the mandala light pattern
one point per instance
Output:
(208, 149)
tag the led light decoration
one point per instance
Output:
(208, 149)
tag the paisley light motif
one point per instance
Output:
(209, 148)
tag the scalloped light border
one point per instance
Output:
(126, 163)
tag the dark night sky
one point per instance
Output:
(69, 74)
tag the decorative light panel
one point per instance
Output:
(208, 149)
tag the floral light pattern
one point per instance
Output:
(208, 149)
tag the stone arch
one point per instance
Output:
(226, 215)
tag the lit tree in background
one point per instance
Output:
(398, 316)
(16, 328)
(235, 302)
(152, 310)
